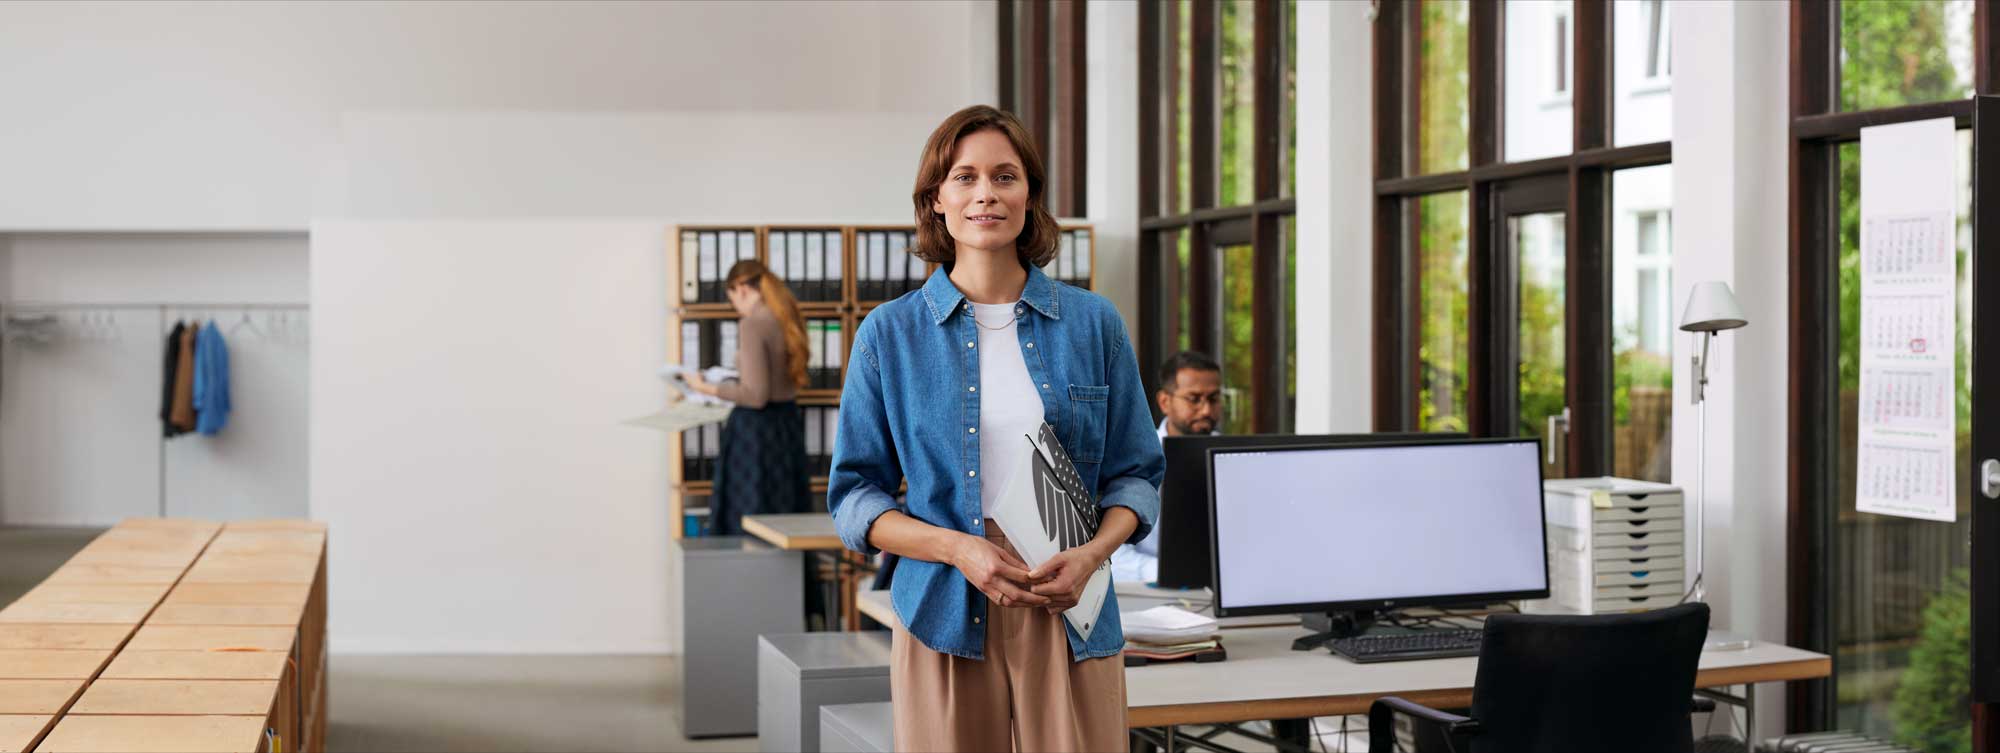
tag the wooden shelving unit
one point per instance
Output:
(688, 501)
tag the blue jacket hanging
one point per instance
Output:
(211, 381)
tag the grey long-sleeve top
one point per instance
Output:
(762, 361)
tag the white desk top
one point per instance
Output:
(1264, 679)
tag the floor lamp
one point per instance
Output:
(1711, 308)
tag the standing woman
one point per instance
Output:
(761, 467)
(942, 389)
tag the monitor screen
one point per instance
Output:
(1185, 559)
(1377, 526)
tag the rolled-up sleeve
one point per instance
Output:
(864, 456)
(1134, 464)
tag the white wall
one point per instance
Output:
(467, 453)
(468, 370)
(1729, 224)
(80, 436)
(1113, 164)
(184, 115)
(1335, 192)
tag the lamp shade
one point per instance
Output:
(1710, 308)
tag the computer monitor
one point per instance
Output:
(1185, 553)
(1338, 527)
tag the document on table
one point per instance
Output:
(1909, 322)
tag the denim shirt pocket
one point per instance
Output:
(1087, 406)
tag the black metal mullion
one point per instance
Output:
(1267, 244)
(1396, 369)
(1813, 345)
(1204, 269)
(1154, 313)
(1985, 417)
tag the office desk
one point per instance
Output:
(813, 534)
(1265, 679)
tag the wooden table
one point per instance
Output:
(1265, 679)
(166, 734)
(17, 731)
(795, 532)
(813, 534)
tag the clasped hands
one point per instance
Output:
(1055, 586)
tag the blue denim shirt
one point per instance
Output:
(909, 398)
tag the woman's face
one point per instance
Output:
(984, 198)
(744, 298)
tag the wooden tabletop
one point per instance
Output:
(51, 664)
(63, 636)
(18, 731)
(240, 593)
(272, 615)
(177, 697)
(95, 574)
(1264, 679)
(254, 568)
(211, 638)
(37, 696)
(163, 734)
(798, 532)
(58, 593)
(55, 613)
(197, 665)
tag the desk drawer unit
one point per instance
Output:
(1615, 545)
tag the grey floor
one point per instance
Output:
(27, 555)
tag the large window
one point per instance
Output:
(1889, 597)
(1523, 284)
(1042, 82)
(1217, 252)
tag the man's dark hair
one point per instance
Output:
(1186, 359)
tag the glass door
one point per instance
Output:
(1530, 284)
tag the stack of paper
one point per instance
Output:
(676, 376)
(1166, 625)
(1168, 632)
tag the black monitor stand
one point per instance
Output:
(1331, 626)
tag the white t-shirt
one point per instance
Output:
(1010, 408)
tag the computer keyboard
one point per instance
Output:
(1421, 644)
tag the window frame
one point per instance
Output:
(1818, 128)
(1586, 173)
(1207, 225)
(1044, 81)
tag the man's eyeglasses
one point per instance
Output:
(1214, 399)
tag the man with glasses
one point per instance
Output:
(1191, 398)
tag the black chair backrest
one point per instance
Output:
(1607, 682)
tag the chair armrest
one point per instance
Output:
(1382, 722)
(1704, 705)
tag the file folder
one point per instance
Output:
(690, 266)
(691, 344)
(708, 262)
(915, 280)
(1083, 258)
(878, 265)
(815, 288)
(780, 254)
(834, 262)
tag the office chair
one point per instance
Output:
(1569, 683)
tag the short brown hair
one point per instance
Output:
(1037, 244)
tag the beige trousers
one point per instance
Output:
(1026, 696)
